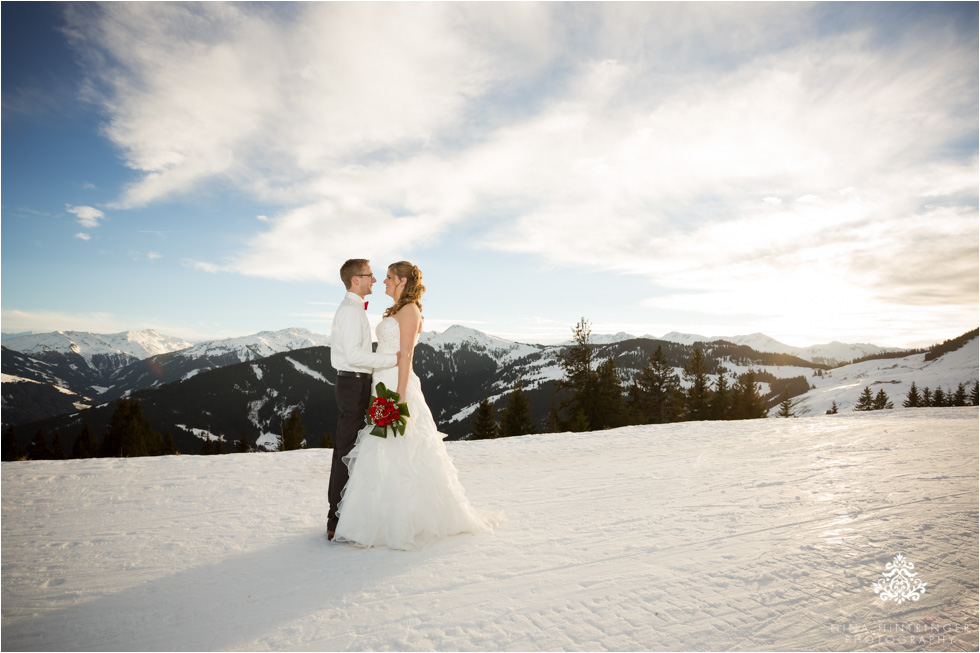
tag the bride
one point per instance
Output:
(403, 491)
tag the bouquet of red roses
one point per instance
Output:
(385, 411)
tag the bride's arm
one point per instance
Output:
(409, 320)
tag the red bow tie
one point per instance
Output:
(365, 306)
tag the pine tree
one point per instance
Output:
(579, 378)
(219, 447)
(652, 396)
(912, 399)
(553, 423)
(86, 444)
(483, 425)
(11, 447)
(515, 418)
(865, 401)
(292, 433)
(721, 399)
(57, 446)
(833, 408)
(38, 448)
(975, 394)
(881, 401)
(326, 442)
(785, 408)
(698, 395)
(169, 447)
(748, 402)
(206, 447)
(939, 397)
(610, 410)
(129, 433)
(926, 396)
(959, 397)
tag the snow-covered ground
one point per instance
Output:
(751, 535)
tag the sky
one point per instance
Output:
(808, 171)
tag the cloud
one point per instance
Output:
(731, 155)
(86, 216)
(83, 236)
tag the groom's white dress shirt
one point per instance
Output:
(350, 340)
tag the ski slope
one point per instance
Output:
(767, 534)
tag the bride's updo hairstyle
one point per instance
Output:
(412, 294)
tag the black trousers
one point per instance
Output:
(353, 397)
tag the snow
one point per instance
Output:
(303, 369)
(139, 344)
(895, 375)
(750, 535)
(831, 352)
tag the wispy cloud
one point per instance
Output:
(83, 236)
(87, 216)
(763, 160)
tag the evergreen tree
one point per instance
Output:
(207, 449)
(326, 442)
(865, 401)
(169, 447)
(515, 418)
(975, 394)
(912, 399)
(939, 397)
(292, 433)
(652, 396)
(721, 399)
(579, 378)
(785, 408)
(959, 397)
(610, 409)
(483, 425)
(38, 448)
(748, 402)
(881, 401)
(11, 447)
(57, 446)
(833, 408)
(219, 446)
(698, 395)
(926, 396)
(86, 444)
(129, 433)
(553, 424)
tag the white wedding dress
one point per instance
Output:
(403, 491)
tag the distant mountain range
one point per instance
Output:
(245, 386)
(832, 353)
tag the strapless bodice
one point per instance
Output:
(389, 336)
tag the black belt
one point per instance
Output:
(354, 375)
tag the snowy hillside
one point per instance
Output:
(258, 345)
(458, 337)
(136, 344)
(895, 376)
(831, 353)
(752, 535)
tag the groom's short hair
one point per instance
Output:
(350, 268)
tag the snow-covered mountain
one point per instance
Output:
(183, 364)
(111, 366)
(832, 353)
(895, 376)
(90, 346)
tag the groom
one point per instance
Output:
(352, 357)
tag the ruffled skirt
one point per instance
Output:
(404, 491)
